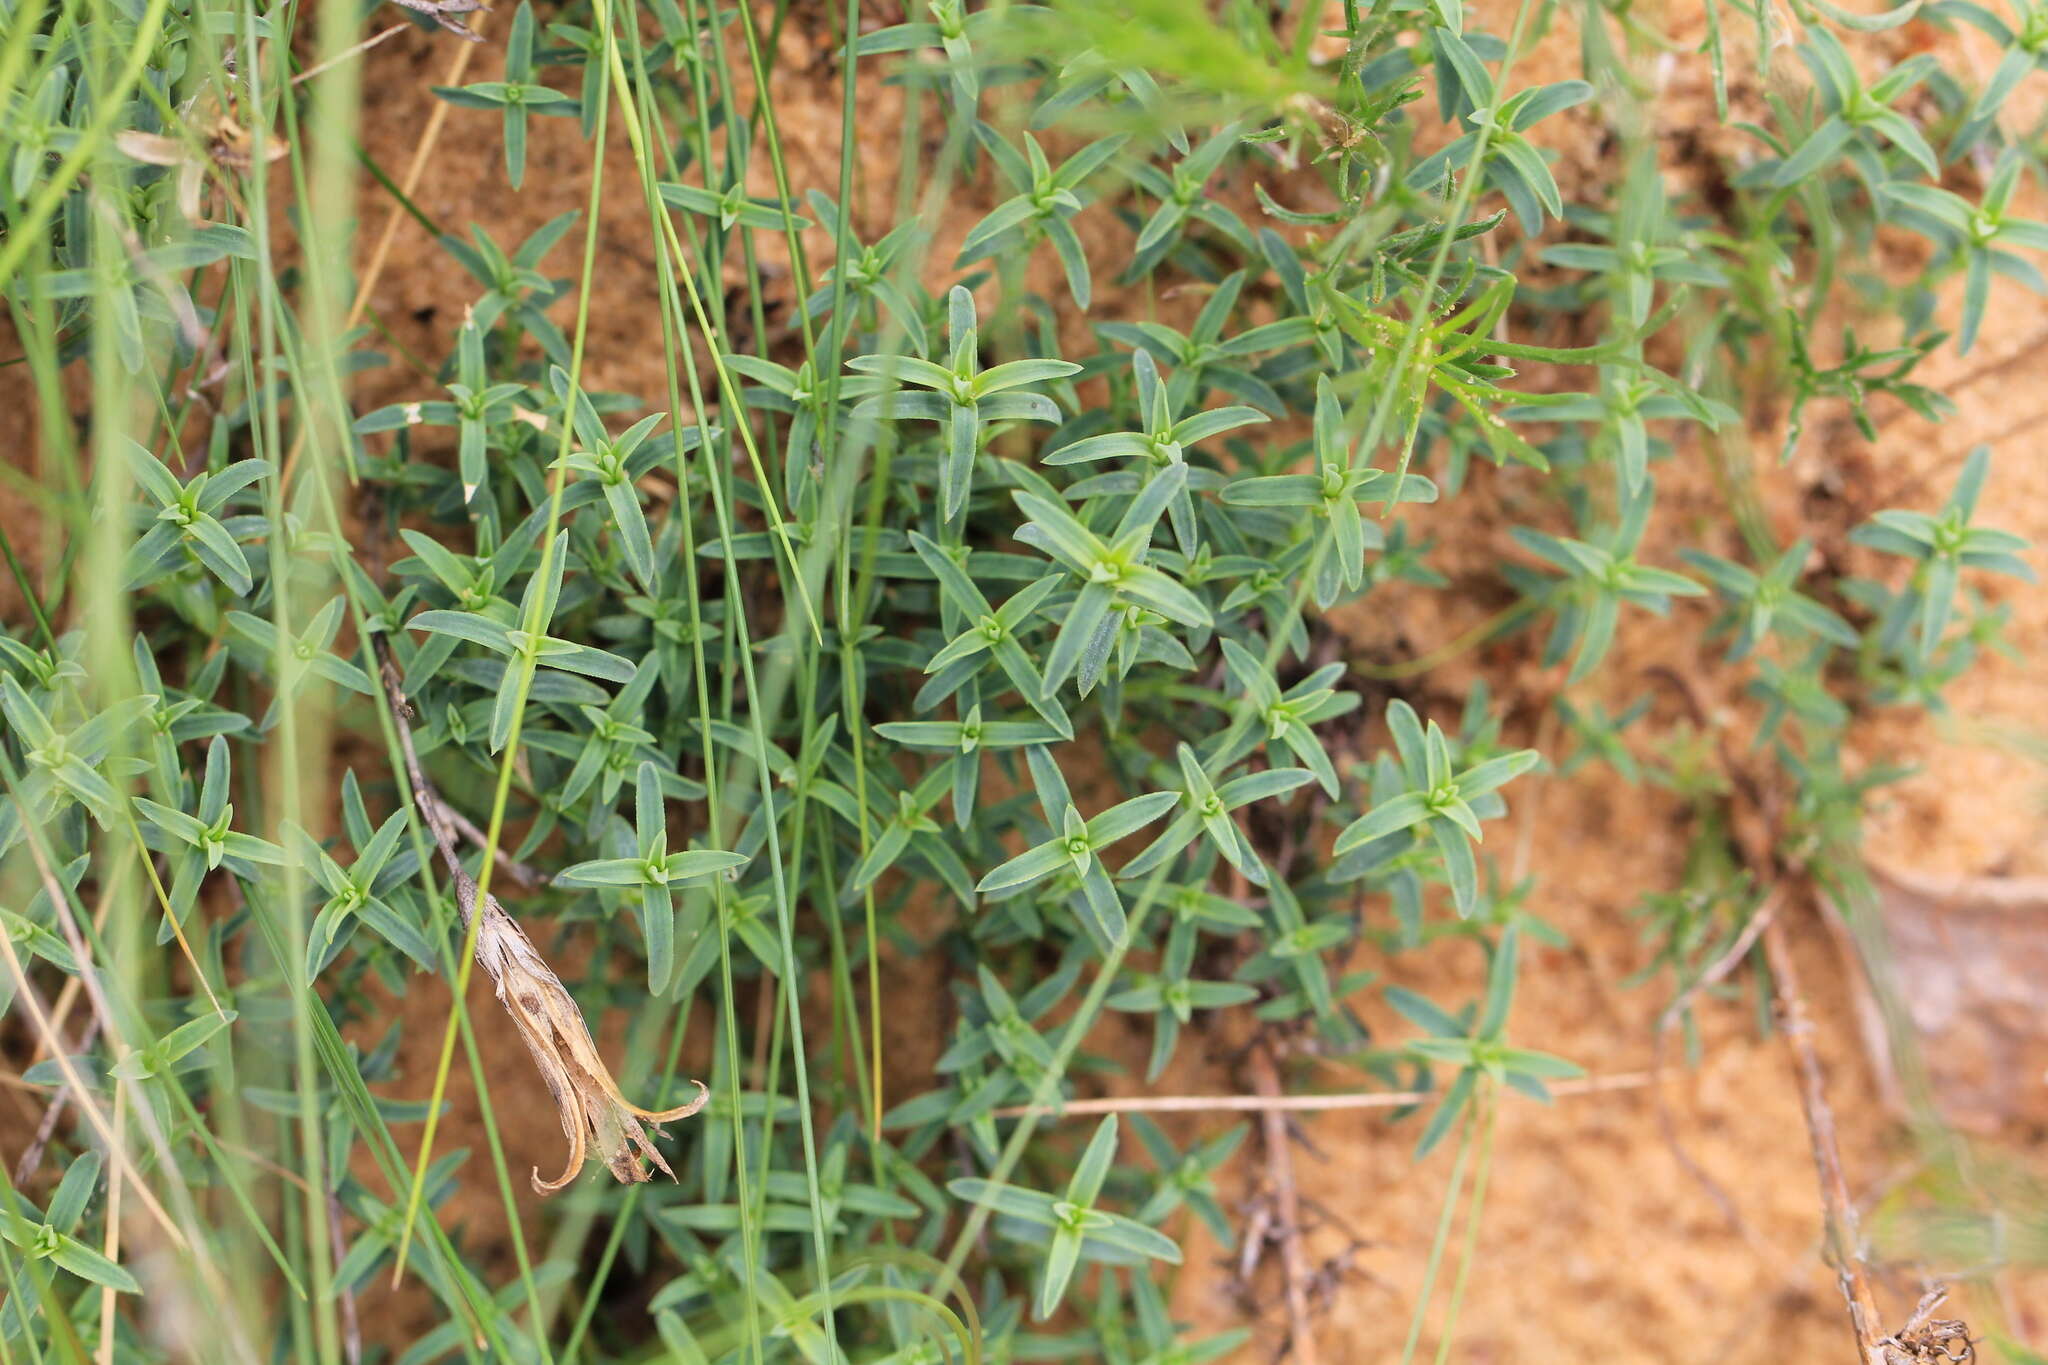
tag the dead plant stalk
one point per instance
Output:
(587, 1100)
(1280, 1165)
(1756, 834)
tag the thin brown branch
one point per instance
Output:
(507, 864)
(1287, 1200)
(1838, 1209)
(1755, 824)
(68, 994)
(1277, 1103)
(117, 1150)
(447, 825)
(1258, 1228)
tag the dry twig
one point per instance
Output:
(1280, 1167)
(1755, 825)
(507, 864)
(1258, 1228)
(358, 50)
(1928, 1340)
(1839, 1210)
(1278, 1103)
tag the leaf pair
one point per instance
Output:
(1438, 800)
(1477, 1048)
(961, 397)
(1070, 1224)
(517, 96)
(1206, 812)
(1074, 850)
(69, 763)
(50, 1236)
(654, 873)
(523, 648)
(1599, 576)
(1113, 571)
(1163, 444)
(189, 520)
(1943, 546)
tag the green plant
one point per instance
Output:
(884, 632)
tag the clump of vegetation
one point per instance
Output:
(984, 619)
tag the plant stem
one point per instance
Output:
(1441, 1240)
(1488, 1116)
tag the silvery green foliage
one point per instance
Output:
(966, 621)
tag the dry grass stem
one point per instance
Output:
(117, 1151)
(358, 50)
(1258, 1104)
(111, 1248)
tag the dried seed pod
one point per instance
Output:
(444, 12)
(593, 1111)
(588, 1101)
(224, 142)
